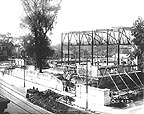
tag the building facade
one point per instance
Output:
(3, 52)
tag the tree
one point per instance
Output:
(138, 33)
(40, 19)
(27, 42)
(7, 40)
(29, 46)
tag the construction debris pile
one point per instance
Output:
(121, 100)
(53, 102)
(125, 87)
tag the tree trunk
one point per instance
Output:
(40, 65)
(40, 70)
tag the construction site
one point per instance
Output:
(111, 81)
(87, 82)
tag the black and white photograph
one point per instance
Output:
(71, 56)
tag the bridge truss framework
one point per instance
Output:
(115, 36)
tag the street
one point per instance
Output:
(16, 94)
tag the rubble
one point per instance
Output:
(53, 102)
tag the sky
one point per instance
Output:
(76, 15)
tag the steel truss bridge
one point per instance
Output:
(125, 81)
(115, 36)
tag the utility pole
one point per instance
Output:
(24, 70)
(23, 53)
(87, 84)
(62, 61)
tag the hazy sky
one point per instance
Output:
(76, 15)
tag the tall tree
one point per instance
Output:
(40, 19)
(8, 41)
(138, 33)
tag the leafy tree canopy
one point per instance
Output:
(8, 41)
(40, 19)
(138, 33)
